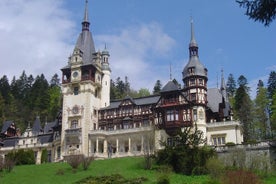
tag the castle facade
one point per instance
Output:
(91, 124)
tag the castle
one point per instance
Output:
(91, 124)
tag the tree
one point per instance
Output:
(184, 153)
(55, 80)
(273, 114)
(5, 90)
(243, 107)
(261, 112)
(157, 87)
(271, 84)
(263, 11)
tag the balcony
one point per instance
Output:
(121, 131)
(223, 124)
(73, 131)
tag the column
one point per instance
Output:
(129, 145)
(105, 146)
(142, 144)
(89, 147)
(97, 145)
(117, 146)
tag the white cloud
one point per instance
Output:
(34, 37)
(137, 52)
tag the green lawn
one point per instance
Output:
(130, 167)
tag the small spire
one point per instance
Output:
(193, 41)
(85, 18)
(85, 23)
(170, 71)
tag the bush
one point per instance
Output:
(199, 170)
(163, 179)
(1, 163)
(230, 144)
(44, 156)
(60, 172)
(22, 157)
(86, 161)
(9, 164)
(74, 160)
(241, 177)
(215, 168)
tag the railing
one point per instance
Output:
(120, 131)
(222, 123)
(73, 131)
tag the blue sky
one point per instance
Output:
(143, 37)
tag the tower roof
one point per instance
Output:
(194, 63)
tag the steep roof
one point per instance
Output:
(138, 101)
(37, 126)
(214, 98)
(170, 86)
(194, 63)
(85, 40)
(49, 127)
(5, 126)
(10, 142)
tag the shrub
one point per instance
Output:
(1, 163)
(9, 164)
(241, 177)
(86, 161)
(22, 157)
(44, 156)
(230, 144)
(199, 170)
(163, 179)
(215, 168)
(74, 160)
(60, 172)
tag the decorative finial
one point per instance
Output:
(170, 71)
(85, 22)
(193, 41)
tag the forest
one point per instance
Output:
(25, 98)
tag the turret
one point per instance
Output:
(105, 96)
(195, 84)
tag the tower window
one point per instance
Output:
(76, 90)
(192, 82)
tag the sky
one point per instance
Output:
(145, 38)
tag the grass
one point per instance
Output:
(131, 167)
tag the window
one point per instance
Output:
(192, 82)
(193, 96)
(218, 140)
(172, 115)
(74, 124)
(76, 90)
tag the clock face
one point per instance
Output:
(75, 74)
(75, 110)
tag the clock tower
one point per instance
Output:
(85, 89)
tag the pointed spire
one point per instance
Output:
(170, 71)
(85, 23)
(85, 19)
(193, 41)
(223, 87)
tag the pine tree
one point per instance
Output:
(273, 115)
(231, 85)
(261, 112)
(271, 84)
(157, 87)
(243, 108)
